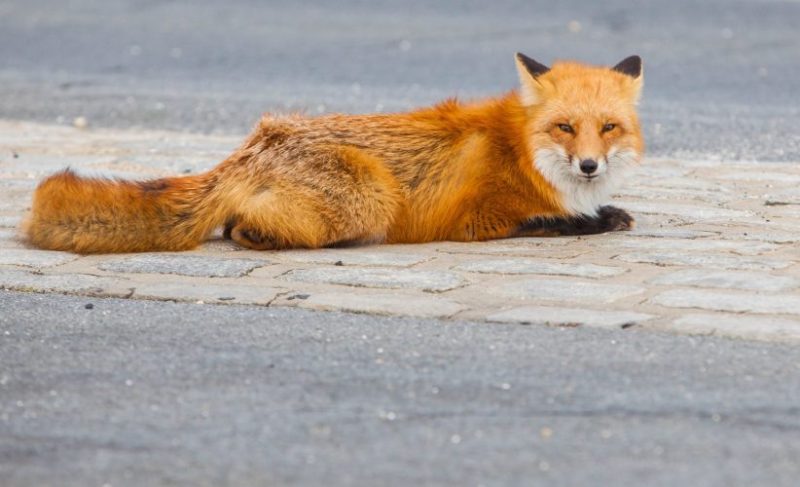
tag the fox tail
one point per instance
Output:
(91, 215)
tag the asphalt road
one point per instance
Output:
(150, 393)
(721, 74)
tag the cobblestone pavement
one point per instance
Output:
(715, 250)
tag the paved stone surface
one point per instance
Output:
(753, 281)
(535, 247)
(186, 265)
(772, 236)
(713, 261)
(9, 239)
(767, 176)
(379, 278)
(750, 327)
(35, 258)
(355, 257)
(694, 245)
(692, 212)
(529, 266)
(207, 293)
(10, 221)
(564, 290)
(71, 283)
(724, 301)
(730, 257)
(679, 233)
(382, 304)
(540, 315)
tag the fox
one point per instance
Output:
(541, 160)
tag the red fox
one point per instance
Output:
(540, 160)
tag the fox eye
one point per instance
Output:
(609, 127)
(565, 127)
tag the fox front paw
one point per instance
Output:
(615, 219)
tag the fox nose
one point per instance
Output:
(588, 166)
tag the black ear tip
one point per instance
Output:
(631, 65)
(534, 67)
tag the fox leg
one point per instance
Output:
(249, 236)
(481, 226)
(608, 219)
(333, 196)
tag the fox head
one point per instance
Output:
(583, 126)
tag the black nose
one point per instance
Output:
(588, 166)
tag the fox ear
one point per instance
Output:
(631, 65)
(528, 70)
(533, 67)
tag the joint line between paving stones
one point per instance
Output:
(277, 296)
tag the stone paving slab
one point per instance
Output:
(757, 327)
(10, 221)
(566, 291)
(704, 260)
(541, 315)
(204, 292)
(361, 256)
(531, 266)
(688, 245)
(18, 280)
(691, 211)
(35, 258)
(9, 239)
(727, 301)
(184, 265)
(713, 252)
(431, 281)
(376, 303)
(749, 281)
(533, 247)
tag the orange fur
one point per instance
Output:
(456, 171)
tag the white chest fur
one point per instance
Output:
(579, 195)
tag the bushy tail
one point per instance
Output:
(90, 215)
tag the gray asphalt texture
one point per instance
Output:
(721, 75)
(145, 393)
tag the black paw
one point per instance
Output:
(226, 234)
(614, 219)
(252, 238)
